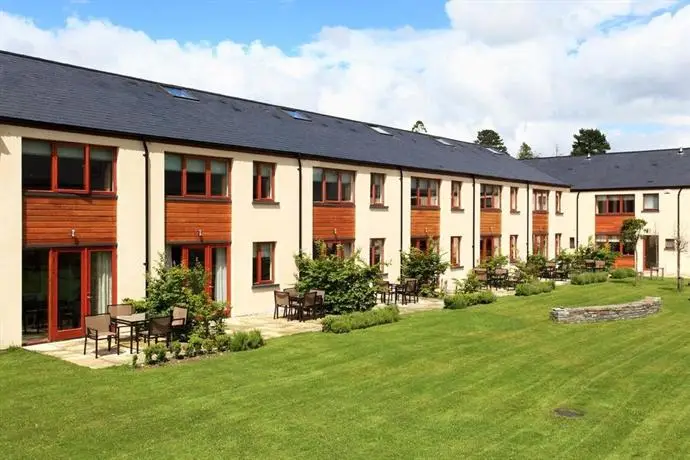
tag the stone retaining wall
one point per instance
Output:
(639, 309)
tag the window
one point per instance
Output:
(264, 174)
(214, 259)
(180, 92)
(540, 244)
(424, 244)
(377, 181)
(615, 204)
(513, 199)
(67, 167)
(456, 193)
(557, 244)
(380, 130)
(572, 243)
(513, 248)
(194, 176)
(332, 185)
(455, 251)
(650, 202)
(489, 246)
(297, 115)
(559, 200)
(424, 192)
(490, 196)
(263, 263)
(670, 244)
(376, 252)
(341, 249)
(615, 244)
(541, 200)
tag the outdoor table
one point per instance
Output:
(135, 322)
(296, 302)
(656, 272)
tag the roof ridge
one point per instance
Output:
(621, 152)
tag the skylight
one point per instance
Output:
(180, 92)
(443, 141)
(380, 130)
(297, 115)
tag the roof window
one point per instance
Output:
(297, 115)
(443, 141)
(180, 92)
(380, 130)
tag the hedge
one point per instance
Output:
(458, 301)
(621, 273)
(589, 278)
(534, 288)
(340, 324)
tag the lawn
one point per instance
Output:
(478, 383)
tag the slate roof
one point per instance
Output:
(39, 92)
(620, 170)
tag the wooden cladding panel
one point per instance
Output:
(184, 219)
(540, 222)
(425, 222)
(609, 224)
(489, 222)
(328, 219)
(50, 220)
(624, 262)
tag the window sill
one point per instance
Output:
(334, 204)
(64, 194)
(221, 199)
(616, 214)
(382, 207)
(490, 209)
(269, 285)
(536, 211)
(457, 267)
(559, 213)
(426, 208)
(515, 212)
(650, 210)
(670, 249)
(457, 210)
(266, 203)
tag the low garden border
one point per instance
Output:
(631, 310)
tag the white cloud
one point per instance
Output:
(535, 71)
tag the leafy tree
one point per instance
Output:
(630, 235)
(590, 142)
(525, 152)
(426, 267)
(419, 127)
(490, 138)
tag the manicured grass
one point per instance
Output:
(474, 383)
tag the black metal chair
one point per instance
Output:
(308, 304)
(98, 328)
(158, 328)
(281, 300)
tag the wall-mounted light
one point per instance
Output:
(199, 232)
(73, 233)
(335, 231)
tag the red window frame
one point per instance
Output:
(537, 196)
(513, 248)
(456, 200)
(616, 246)
(484, 252)
(373, 244)
(417, 243)
(257, 179)
(513, 199)
(208, 261)
(559, 201)
(258, 254)
(207, 176)
(557, 243)
(86, 148)
(490, 196)
(372, 199)
(415, 187)
(621, 199)
(540, 244)
(340, 173)
(455, 250)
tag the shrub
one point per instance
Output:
(255, 340)
(426, 267)
(589, 278)
(622, 273)
(176, 349)
(208, 345)
(194, 345)
(459, 301)
(350, 284)
(135, 359)
(494, 262)
(534, 288)
(590, 251)
(360, 320)
(157, 351)
(223, 342)
(239, 341)
(470, 285)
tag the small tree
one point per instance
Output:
(525, 152)
(419, 127)
(426, 267)
(631, 231)
(490, 138)
(681, 244)
(590, 142)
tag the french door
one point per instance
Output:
(81, 283)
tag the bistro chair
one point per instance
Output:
(500, 277)
(98, 328)
(308, 304)
(179, 317)
(383, 289)
(119, 309)
(599, 265)
(158, 328)
(412, 289)
(281, 300)
(482, 276)
(320, 302)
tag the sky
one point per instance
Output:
(535, 71)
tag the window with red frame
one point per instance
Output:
(513, 248)
(541, 200)
(332, 185)
(376, 252)
(559, 201)
(341, 249)
(489, 246)
(424, 192)
(557, 244)
(455, 195)
(67, 167)
(540, 244)
(615, 244)
(514, 199)
(195, 176)
(264, 181)
(615, 204)
(212, 257)
(377, 182)
(263, 268)
(490, 196)
(455, 251)
(424, 244)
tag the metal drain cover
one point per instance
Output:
(569, 413)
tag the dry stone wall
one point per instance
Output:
(639, 309)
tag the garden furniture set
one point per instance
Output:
(295, 304)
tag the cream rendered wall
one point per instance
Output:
(11, 237)
(456, 223)
(560, 223)
(516, 222)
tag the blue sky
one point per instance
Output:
(285, 23)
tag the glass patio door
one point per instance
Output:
(651, 251)
(69, 298)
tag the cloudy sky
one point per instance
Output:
(535, 71)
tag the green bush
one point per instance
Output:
(591, 251)
(239, 341)
(194, 345)
(350, 284)
(208, 345)
(223, 342)
(589, 278)
(426, 267)
(470, 285)
(459, 301)
(534, 288)
(622, 273)
(176, 349)
(157, 351)
(360, 320)
(255, 340)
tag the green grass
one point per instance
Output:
(475, 383)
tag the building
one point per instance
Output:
(607, 189)
(100, 174)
